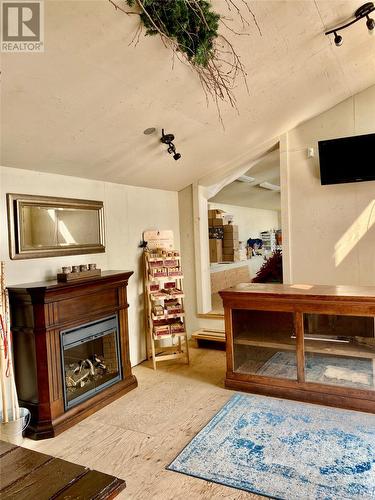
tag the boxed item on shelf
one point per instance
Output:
(158, 272)
(174, 271)
(154, 286)
(169, 262)
(177, 327)
(157, 295)
(156, 263)
(216, 250)
(154, 254)
(161, 329)
(158, 310)
(172, 306)
(168, 285)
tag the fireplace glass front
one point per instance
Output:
(90, 359)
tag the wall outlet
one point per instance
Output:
(310, 153)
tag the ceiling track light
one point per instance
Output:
(168, 139)
(361, 13)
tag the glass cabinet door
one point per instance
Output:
(264, 343)
(340, 350)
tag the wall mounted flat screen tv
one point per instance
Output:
(348, 159)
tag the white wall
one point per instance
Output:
(128, 212)
(185, 202)
(250, 221)
(331, 228)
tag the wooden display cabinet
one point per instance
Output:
(306, 342)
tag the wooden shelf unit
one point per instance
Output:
(274, 341)
(262, 320)
(154, 296)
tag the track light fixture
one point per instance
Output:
(338, 40)
(168, 139)
(370, 23)
(362, 12)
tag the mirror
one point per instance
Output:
(44, 226)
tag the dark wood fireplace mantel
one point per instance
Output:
(39, 313)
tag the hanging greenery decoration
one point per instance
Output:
(191, 29)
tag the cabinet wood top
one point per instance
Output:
(299, 291)
(55, 285)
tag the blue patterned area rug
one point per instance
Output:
(285, 450)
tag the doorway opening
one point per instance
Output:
(244, 229)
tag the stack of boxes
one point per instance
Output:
(231, 244)
(216, 234)
(223, 237)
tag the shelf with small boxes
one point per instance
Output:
(224, 244)
(164, 298)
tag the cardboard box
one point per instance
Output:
(231, 239)
(231, 255)
(216, 250)
(218, 222)
(216, 213)
(229, 246)
(230, 251)
(230, 236)
(231, 229)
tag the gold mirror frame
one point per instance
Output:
(17, 202)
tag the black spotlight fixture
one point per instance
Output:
(338, 40)
(168, 139)
(361, 13)
(370, 23)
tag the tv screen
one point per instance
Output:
(349, 159)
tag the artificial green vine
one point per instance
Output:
(193, 25)
(191, 29)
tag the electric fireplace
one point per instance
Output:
(71, 348)
(90, 359)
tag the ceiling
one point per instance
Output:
(80, 107)
(251, 195)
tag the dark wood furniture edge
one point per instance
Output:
(115, 485)
(53, 284)
(52, 428)
(6, 448)
(320, 292)
(310, 396)
(110, 491)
